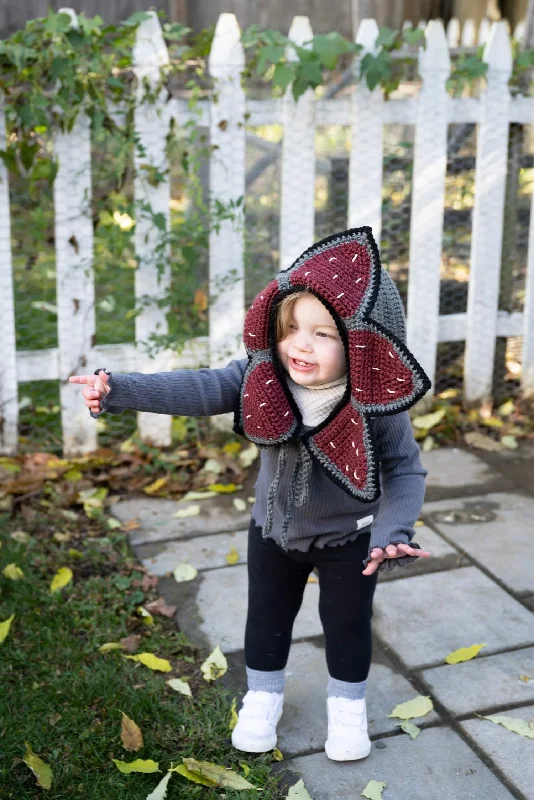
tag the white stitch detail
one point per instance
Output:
(402, 380)
(307, 273)
(355, 257)
(340, 295)
(268, 382)
(361, 346)
(359, 279)
(252, 334)
(356, 476)
(355, 423)
(248, 416)
(391, 354)
(332, 445)
(353, 444)
(262, 404)
(334, 277)
(333, 258)
(376, 368)
(390, 391)
(287, 412)
(359, 390)
(245, 395)
(358, 451)
(347, 467)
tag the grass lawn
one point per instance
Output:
(65, 698)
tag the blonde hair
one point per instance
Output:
(284, 313)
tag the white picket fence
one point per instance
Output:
(430, 112)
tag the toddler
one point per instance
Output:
(324, 393)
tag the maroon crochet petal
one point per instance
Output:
(266, 413)
(256, 329)
(342, 444)
(341, 274)
(379, 362)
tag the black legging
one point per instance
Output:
(277, 580)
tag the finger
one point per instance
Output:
(405, 549)
(371, 567)
(88, 379)
(376, 552)
(391, 551)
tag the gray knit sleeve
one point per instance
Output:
(182, 392)
(403, 486)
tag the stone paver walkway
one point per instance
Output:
(478, 587)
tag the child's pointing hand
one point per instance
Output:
(392, 551)
(96, 387)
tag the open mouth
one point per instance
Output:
(298, 364)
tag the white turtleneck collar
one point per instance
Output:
(315, 403)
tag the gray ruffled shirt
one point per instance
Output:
(330, 517)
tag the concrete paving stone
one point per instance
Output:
(496, 530)
(511, 753)
(484, 682)
(158, 523)
(426, 617)
(212, 608)
(452, 471)
(303, 725)
(203, 552)
(438, 765)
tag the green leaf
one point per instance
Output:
(329, 47)
(374, 789)
(139, 765)
(283, 75)
(464, 654)
(4, 627)
(298, 792)
(428, 421)
(413, 36)
(212, 775)
(376, 68)
(408, 727)
(514, 724)
(417, 707)
(42, 771)
(387, 37)
(136, 19)
(57, 23)
(60, 66)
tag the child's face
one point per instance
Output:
(312, 351)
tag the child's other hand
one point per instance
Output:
(96, 387)
(392, 551)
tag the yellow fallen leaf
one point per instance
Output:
(232, 448)
(21, 537)
(13, 572)
(212, 775)
(214, 666)
(277, 755)
(233, 717)
(152, 662)
(239, 504)
(61, 537)
(131, 735)
(4, 627)
(160, 792)
(180, 686)
(197, 496)
(408, 727)
(185, 572)
(417, 707)
(524, 678)
(248, 456)
(374, 789)
(73, 553)
(42, 771)
(514, 724)
(251, 499)
(232, 557)
(246, 769)
(223, 488)
(156, 486)
(298, 792)
(110, 646)
(464, 654)
(190, 511)
(139, 765)
(148, 619)
(62, 577)
(419, 523)
(428, 421)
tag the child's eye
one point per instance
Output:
(322, 333)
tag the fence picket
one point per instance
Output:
(8, 355)
(366, 156)
(486, 242)
(428, 198)
(297, 217)
(227, 185)
(152, 277)
(527, 372)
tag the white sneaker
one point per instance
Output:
(347, 729)
(255, 731)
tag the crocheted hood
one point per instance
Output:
(344, 272)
